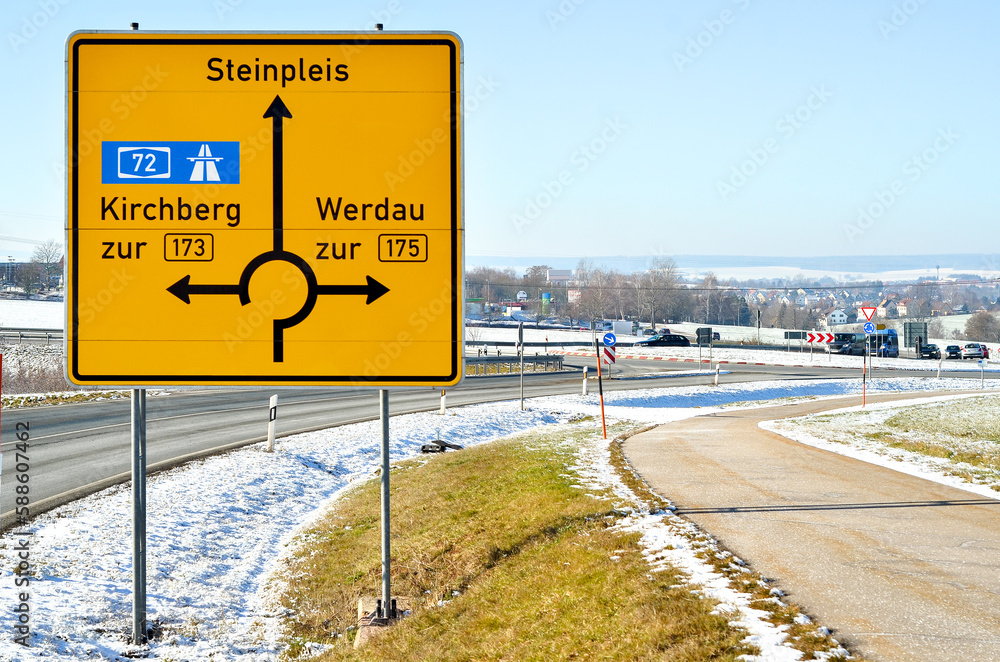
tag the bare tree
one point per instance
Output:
(670, 299)
(708, 284)
(29, 277)
(49, 255)
(983, 326)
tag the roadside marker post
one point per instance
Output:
(585, 380)
(272, 418)
(600, 386)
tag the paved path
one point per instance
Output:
(899, 567)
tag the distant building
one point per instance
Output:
(836, 317)
(559, 276)
(887, 308)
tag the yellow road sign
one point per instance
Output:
(264, 209)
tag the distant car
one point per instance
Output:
(986, 351)
(953, 352)
(664, 340)
(649, 332)
(716, 336)
(930, 351)
(972, 350)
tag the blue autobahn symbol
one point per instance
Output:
(170, 162)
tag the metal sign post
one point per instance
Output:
(383, 397)
(138, 516)
(600, 386)
(520, 351)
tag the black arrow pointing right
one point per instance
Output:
(372, 290)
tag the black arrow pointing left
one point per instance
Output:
(183, 289)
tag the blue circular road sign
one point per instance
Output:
(609, 339)
(869, 328)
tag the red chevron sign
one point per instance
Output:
(609, 354)
(819, 337)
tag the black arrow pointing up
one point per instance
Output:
(183, 288)
(277, 111)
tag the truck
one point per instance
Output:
(621, 328)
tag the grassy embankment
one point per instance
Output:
(511, 559)
(965, 433)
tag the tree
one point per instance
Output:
(983, 326)
(670, 300)
(49, 256)
(708, 285)
(29, 277)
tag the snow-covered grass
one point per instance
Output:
(208, 574)
(954, 440)
(30, 368)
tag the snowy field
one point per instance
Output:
(23, 313)
(210, 584)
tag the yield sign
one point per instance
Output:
(868, 312)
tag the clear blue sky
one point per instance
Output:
(826, 107)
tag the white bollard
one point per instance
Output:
(939, 367)
(716, 375)
(585, 380)
(271, 419)
(444, 398)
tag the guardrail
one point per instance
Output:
(21, 334)
(511, 364)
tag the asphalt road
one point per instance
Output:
(901, 568)
(76, 449)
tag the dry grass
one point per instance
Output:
(509, 561)
(28, 376)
